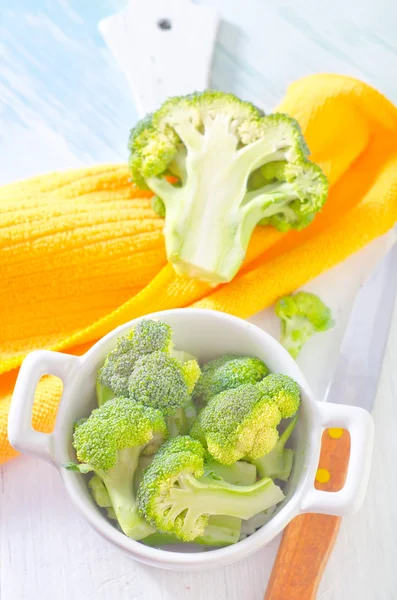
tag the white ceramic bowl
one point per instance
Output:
(206, 334)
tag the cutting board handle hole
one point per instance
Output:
(164, 24)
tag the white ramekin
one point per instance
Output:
(206, 334)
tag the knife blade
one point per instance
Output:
(355, 379)
(308, 540)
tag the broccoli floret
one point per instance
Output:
(110, 443)
(215, 145)
(302, 315)
(240, 473)
(163, 382)
(147, 337)
(221, 531)
(176, 497)
(282, 390)
(278, 463)
(238, 423)
(225, 373)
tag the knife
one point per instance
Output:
(308, 540)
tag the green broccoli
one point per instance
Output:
(226, 373)
(161, 381)
(302, 315)
(234, 169)
(282, 390)
(148, 336)
(110, 443)
(238, 423)
(176, 497)
(221, 531)
(278, 463)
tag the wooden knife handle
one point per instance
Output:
(308, 540)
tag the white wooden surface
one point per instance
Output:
(64, 103)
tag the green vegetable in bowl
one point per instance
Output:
(302, 315)
(175, 496)
(226, 373)
(219, 167)
(163, 382)
(282, 390)
(238, 423)
(242, 422)
(110, 443)
(191, 488)
(147, 337)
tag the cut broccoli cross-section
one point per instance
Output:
(215, 145)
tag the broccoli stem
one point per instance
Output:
(103, 393)
(208, 496)
(119, 482)
(240, 473)
(278, 463)
(209, 203)
(220, 531)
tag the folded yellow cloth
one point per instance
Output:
(82, 252)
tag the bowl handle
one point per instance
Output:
(21, 434)
(349, 499)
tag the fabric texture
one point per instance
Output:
(82, 252)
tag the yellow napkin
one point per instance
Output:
(81, 252)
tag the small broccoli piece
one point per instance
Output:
(238, 423)
(110, 443)
(226, 373)
(282, 390)
(161, 381)
(176, 497)
(278, 463)
(221, 531)
(215, 146)
(240, 473)
(302, 315)
(147, 337)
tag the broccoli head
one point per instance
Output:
(302, 315)
(282, 390)
(110, 443)
(148, 336)
(238, 423)
(219, 167)
(227, 372)
(176, 497)
(163, 382)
